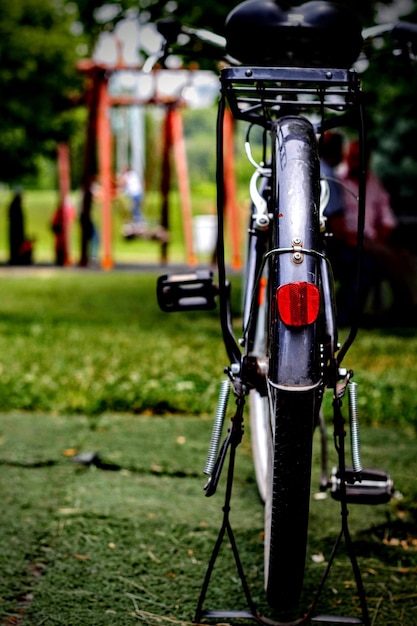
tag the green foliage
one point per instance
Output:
(39, 46)
(392, 129)
(204, 14)
(38, 74)
(200, 139)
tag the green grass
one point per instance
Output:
(89, 342)
(92, 342)
(39, 208)
(89, 363)
(87, 546)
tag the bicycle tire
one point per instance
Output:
(255, 326)
(294, 375)
(259, 406)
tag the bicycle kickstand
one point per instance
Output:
(232, 441)
(230, 444)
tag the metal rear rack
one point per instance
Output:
(260, 95)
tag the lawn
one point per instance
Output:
(90, 366)
(39, 208)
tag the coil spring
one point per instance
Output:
(217, 427)
(354, 426)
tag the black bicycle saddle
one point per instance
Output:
(315, 34)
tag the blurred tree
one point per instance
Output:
(38, 81)
(391, 82)
(40, 43)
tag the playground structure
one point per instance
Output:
(98, 164)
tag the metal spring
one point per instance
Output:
(217, 427)
(354, 426)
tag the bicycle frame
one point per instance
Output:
(267, 97)
(320, 88)
(288, 313)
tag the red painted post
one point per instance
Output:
(231, 208)
(64, 199)
(105, 171)
(180, 156)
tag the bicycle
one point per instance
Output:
(294, 82)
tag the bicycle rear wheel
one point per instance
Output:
(294, 373)
(281, 427)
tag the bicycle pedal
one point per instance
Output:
(370, 486)
(193, 291)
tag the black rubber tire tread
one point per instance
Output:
(290, 500)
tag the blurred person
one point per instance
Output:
(382, 257)
(20, 247)
(58, 228)
(343, 256)
(132, 187)
(342, 253)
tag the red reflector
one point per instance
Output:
(298, 303)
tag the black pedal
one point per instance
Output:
(187, 292)
(370, 486)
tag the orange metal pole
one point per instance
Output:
(105, 170)
(64, 189)
(231, 208)
(180, 156)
